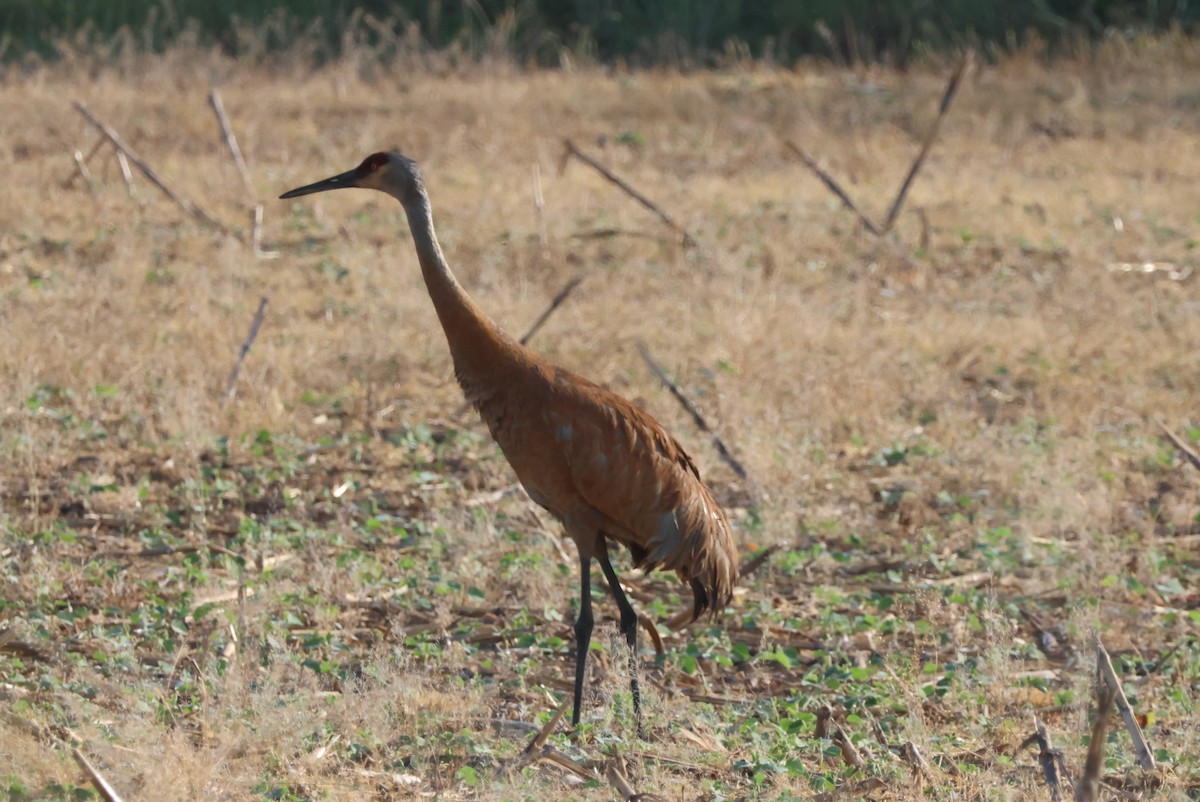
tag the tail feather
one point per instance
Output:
(714, 569)
(712, 576)
(703, 554)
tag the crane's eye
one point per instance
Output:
(373, 163)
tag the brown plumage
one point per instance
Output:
(603, 467)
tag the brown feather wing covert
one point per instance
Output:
(630, 469)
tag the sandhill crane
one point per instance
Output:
(597, 463)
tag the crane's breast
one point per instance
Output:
(520, 423)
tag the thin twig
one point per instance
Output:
(830, 41)
(898, 202)
(1046, 757)
(10, 645)
(697, 418)
(688, 239)
(880, 736)
(833, 186)
(555, 756)
(850, 753)
(1088, 787)
(652, 630)
(539, 739)
(943, 107)
(256, 235)
(555, 303)
(106, 791)
(609, 233)
(1105, 667)
(920, 765)
(1178, 441)
(126, 174)
(81, 169)
(69, 180)
(231, 384)
(119, 144)
(923, 243)
(821, 725)
(863, 789)
(618, 781)
(754, 563)
(539, 204)
(214, 100)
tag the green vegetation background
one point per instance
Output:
(642, 32)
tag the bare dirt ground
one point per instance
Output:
(331, 587)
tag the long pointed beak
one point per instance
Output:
(344, 181)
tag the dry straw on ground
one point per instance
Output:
(330, 588)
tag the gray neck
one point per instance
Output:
(475, 342)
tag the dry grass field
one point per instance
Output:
(331, 587)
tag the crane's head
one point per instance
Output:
(392, 173)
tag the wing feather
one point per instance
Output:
(631, 470)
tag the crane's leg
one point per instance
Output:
(583, 630)
(699, 599)
(629, 627)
